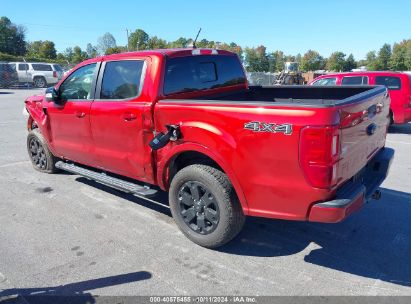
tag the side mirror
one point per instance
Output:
(52, 95)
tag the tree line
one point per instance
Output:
(13, 45)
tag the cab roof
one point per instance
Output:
(363, 73)
(171, 53)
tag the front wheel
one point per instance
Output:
(204, 206)
(41, 157)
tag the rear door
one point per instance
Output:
(119, 119)
(23, 72)
(70, 121)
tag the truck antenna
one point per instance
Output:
(195, 40)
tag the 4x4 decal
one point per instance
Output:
(257, 126)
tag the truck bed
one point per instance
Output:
(298, 95)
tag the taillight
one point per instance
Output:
(55, 74)
(319, 153)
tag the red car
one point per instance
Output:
(187, 121)
(398, 84)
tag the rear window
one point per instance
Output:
(122, 79)
(203, 72)
(355, 80)
(41, 67)
(58, 68)
(325, 82)
(392, 83)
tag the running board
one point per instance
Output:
(107, 180)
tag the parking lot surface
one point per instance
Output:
(63, 234)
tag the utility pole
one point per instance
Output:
(128, 47)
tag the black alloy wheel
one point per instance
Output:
(198, 207)
(37, 153)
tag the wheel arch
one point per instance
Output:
(188, 154)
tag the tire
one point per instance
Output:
(39, 82)
(41, 157)
(210, 216)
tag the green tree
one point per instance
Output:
(384, 57)
(279, 60)
(336, 62)
(116, 50)
(68, 54)
(312, 61)
(256, 59)
(371, 61)
(41, 49)
(138, 40)
(408, 54)
(298, 58)
(179, 43)
(156, 43)
(106, 41)
(232, 47)
(12, 38)
(91, 50)
(272, 62)
(399, 56)
(350, 63)
(78, 55)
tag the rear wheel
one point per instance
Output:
(204, 206)
(41, 157)
(39, 82)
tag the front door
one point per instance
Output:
(119, 119)
(70, 118)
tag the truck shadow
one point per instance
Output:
(77, 292)
(374, 243)
(400, 129)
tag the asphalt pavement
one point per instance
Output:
(62, 234)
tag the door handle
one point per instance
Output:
(129, 116)
(80, 114)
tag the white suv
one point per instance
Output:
(38, 73)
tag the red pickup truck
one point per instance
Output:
(187, 122)
(398, 84)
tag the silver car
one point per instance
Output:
(39, 74)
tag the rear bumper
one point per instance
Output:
(354, 194)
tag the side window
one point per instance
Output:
(352, 80)
(365, 80)
(122, 79)
(41, 67)
(78, 85)
(392, 83)
(23, 67)
(325, 82)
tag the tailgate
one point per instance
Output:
(363, 130)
